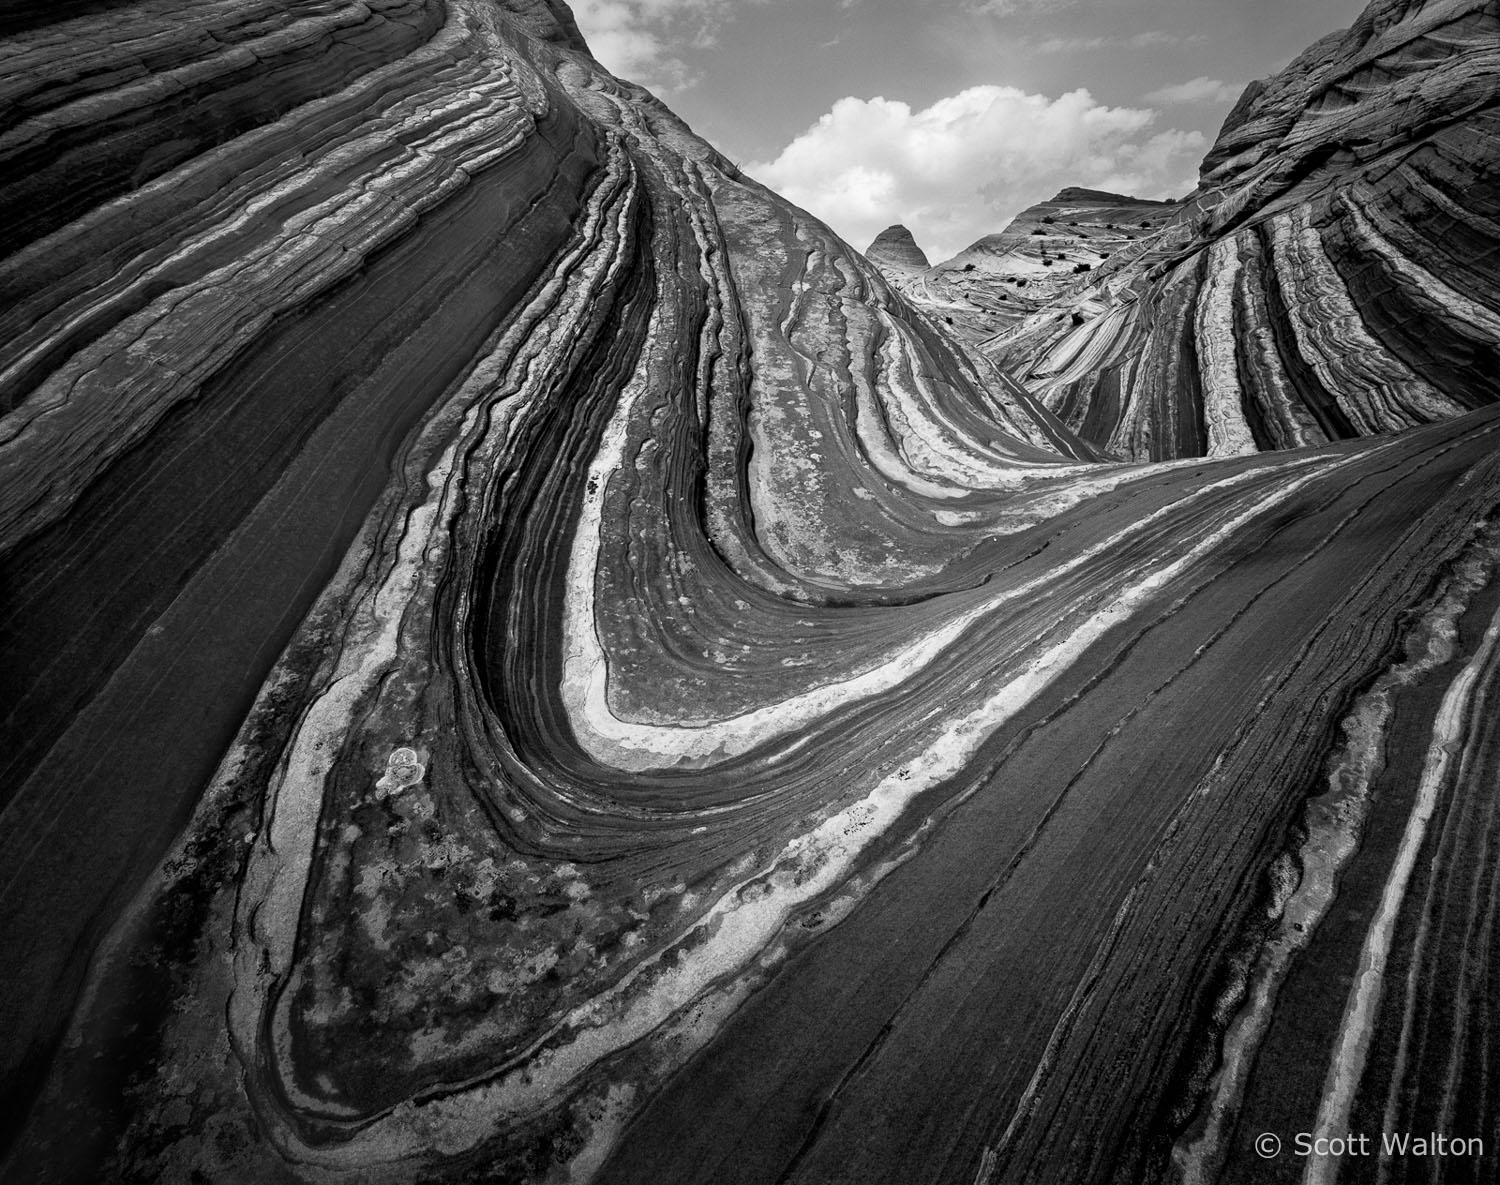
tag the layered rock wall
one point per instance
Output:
(1333, 276)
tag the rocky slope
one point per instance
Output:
(1034, 263)
(1333, 276)
(525, 658)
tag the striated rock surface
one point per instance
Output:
(1034, 263)
(894, 252)
(526, 658)
(1334, 276)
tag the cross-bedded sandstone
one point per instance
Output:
(669, 710)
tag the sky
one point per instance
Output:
(952, 116)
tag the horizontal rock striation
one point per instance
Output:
(526, 658)
(895, 251)
(1333, 276)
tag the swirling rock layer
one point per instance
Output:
(668, 711)
(1333, 276)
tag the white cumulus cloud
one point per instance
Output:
(963, 167)
(1196, 90)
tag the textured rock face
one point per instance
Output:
(1035, 263)
(640, 702)
(1334, 275)
(894, 251)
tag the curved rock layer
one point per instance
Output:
(668, 712)
(1335, 275)
(894, 250)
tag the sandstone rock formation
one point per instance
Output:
(1034, 263)
(1333, 276)
(895, 252)
(525, 658)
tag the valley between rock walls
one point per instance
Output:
(627, 693)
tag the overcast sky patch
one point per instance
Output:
(1196, 90)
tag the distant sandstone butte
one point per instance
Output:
(524, 658)
(894, 248)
